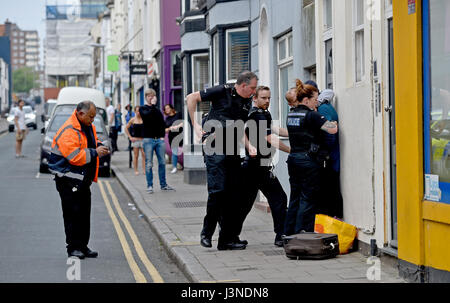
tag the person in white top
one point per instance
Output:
(21, 128)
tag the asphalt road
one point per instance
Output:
(32, 239)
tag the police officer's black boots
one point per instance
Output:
(205, 241)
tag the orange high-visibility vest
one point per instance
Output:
(71, 143)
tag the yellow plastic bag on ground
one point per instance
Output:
(346, 233)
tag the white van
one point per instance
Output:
(69, 97)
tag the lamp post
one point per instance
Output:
(102, 46)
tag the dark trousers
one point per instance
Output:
(223, 175)
(304, 178)
(113, 134)
(260, 178)
(76, 208)
(331, 203)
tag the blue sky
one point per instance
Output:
(27, 14)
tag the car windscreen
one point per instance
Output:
(68, 109)
(27, 109)
(58, 121)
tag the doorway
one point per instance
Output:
(390, 109)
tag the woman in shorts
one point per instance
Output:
(135, 132)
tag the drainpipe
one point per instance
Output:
(371, 231)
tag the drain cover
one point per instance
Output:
(273, 252)
(189, 204)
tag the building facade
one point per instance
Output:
(5, 54)
(4, 86)
(421, 60)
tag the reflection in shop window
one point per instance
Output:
(437, 110)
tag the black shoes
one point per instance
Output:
(279, 241)
(237, 240)
(81, 254)
(76, 253)
(205, 241)
(231, 246)
(90, 253)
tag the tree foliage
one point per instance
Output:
(24, 79)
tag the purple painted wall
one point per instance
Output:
(170, 31)
(170, 41)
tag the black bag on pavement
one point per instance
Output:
(311, 246)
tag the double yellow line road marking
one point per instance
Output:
(138, 275)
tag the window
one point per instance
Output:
(358, 36)
(200, 72)
(329, 63)
(200, 77)
(328, 14)
(176, 74)
(436, 97)
(285, 73)
(215, 50)
(238, 53)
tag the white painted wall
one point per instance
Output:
(363, 130)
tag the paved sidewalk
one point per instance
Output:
(177, 219)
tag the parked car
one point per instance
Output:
(69, 97)
(30, 117)
(48, 109)
(55, 123)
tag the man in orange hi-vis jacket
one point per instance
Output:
(74, 161)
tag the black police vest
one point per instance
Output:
(268, 117)
(300, 137)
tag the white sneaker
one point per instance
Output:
(150, 189)
(174, 170)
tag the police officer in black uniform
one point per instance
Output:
(257, 166)
(306, 159)
(229, 103)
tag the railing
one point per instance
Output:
(65, 12)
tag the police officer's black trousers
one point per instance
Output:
(331, 197)
(304, 178)
(223, 175)
(256, 178)
(76, 208)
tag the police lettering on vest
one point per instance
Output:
(304, 127)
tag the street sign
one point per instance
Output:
(138, 69)
(113, 63)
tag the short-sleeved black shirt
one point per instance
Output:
(227, 105)
(263, 121)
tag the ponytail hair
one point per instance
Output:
(304, 90)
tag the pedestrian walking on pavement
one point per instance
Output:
(74, 161)
(257, 167)
(111, 114)
(228, 103)
(154, 132)
(135, 132)
(174, 126)
(305, 127)
(21, 128)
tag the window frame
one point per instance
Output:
(193, 56)
(283, 63)
(427, 99)
(356, 29)
(233, 30)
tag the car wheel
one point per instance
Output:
(35, 126)
(43, 169)
(11, 128)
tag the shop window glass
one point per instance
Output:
(437, 97)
